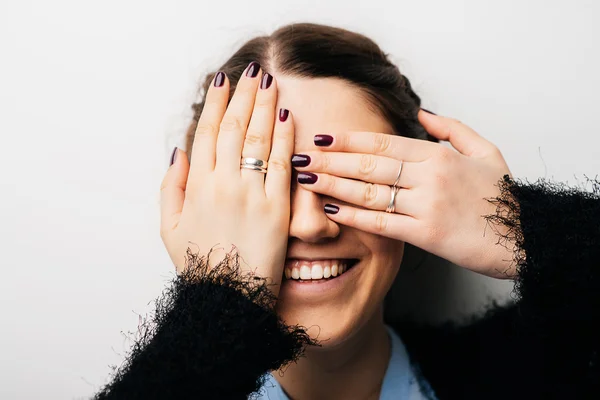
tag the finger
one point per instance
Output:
(394, 226)
(364, 167)
(367, 195)
(235, 121)
(172, 193)
(257, 143)
(279, 173)
(461, 137)
(207, 128)
(380, 144)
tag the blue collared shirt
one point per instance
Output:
(399, 381)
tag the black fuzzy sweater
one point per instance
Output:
(214, 333)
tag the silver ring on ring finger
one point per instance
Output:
(391, 207)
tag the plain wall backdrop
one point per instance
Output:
(93, 96)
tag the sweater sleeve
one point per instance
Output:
(213, 335)
(545, 343)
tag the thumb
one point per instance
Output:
(461, 137)
(172, 191)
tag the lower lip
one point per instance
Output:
(320, 286)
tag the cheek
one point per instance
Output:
(385, 263)
(384, 251)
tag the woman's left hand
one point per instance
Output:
(442, 200)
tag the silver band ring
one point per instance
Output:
(253, 161)
(395, 189)
(392, 206)
(399, 172)
(254, 168)
(254, 164)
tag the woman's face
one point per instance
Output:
(335, 309)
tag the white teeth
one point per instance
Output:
(316, 271)
(305, 272)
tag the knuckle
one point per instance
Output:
(448, 129)
(282, 133)
(330, 185)
(440, 180)
(254, 138)
(381, 143)
(230, 123)
(444, 154)
(325, 161)
(279, 164)
(351, 218)
(345, 140)
(436, 206)
(370, 194)
(381, 222)
(224, 192)
(263, 104)
(205, 129)
(368, 163)
(284, 140)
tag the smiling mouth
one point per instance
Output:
(316, 270)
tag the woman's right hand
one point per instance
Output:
(213, 204)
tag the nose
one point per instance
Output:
(309, 223)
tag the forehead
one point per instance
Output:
(326, 105)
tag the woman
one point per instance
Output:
(273, 264)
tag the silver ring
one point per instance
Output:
(392, 205)
(254, 168)
(254, 164)
(253, 161)
(399, 172)
(395, 189)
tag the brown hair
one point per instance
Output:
(320, 51)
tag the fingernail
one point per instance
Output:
(253, 69)
(219, 79)
(331, 209)
(283, 114)
(300, 160)
(173, 156)
(266, 81)
(307, 177)
(427, 111)
(323, 140)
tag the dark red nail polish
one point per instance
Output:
(283, 114)
(323, 140)
(220, 79)
(300, 160)
(307, 177)
(173, 156)
(266, 81)
(427, 111)
(331, 209)
(253, 69)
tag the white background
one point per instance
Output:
(93, 95)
